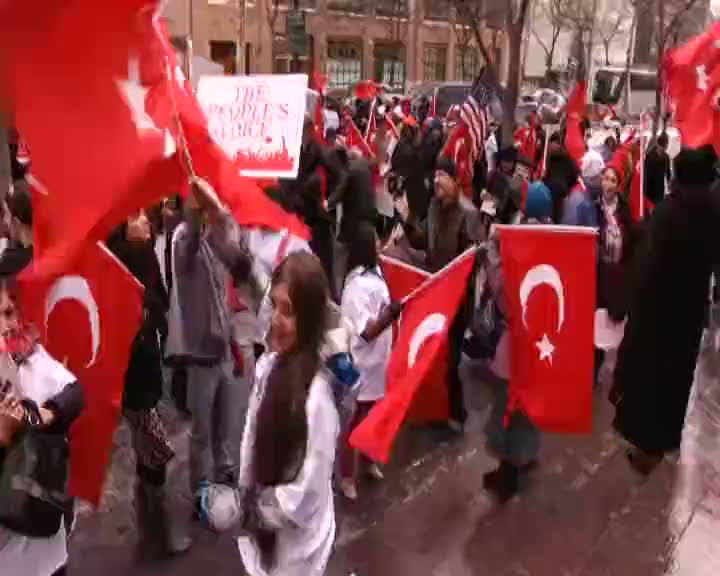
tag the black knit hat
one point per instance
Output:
(446, 165)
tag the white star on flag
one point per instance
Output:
(546, 348)
(134, 94)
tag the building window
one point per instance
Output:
(344, 64)
(391, 8)
(281, 65)
(437, 9)
(434, 62)
(350, 6)
(390, 65)
(467, 64)
(223, 52)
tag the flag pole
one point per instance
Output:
(641, 168)
(172, 79)
(440, 272)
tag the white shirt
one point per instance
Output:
(39, 378)
(304, 517)
(491, 149)
(364, 297)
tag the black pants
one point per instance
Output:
(456, 396)
(323, 246)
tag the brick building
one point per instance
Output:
(397, 42)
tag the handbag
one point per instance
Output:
(488, 325)
(33, 483)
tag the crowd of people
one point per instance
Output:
(260, 356)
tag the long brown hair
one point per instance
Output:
(281, 430)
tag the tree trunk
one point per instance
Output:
(660, 57)
(513, 85)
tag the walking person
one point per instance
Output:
(512, 438)
(657, 170)
(159, 536)
(366, 306)
(616, 242)
(207, 259)
(448, 231)
(667, 312)
(284, 501)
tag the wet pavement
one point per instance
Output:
(585, 513)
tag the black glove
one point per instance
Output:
(31, 414)
(395, 309)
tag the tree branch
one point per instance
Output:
(474, 25)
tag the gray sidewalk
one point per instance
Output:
(585, 513)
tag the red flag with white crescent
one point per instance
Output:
(426, 320)
(549, 274)
(88, 319)
(430, 404)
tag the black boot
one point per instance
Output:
(159, 537)
(504, 482)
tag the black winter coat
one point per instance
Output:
(144, 379)
(656, 360)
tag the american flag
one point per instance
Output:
(474, 112)
(467, 140)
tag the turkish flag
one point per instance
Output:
(576, 111)
(692, 77)
(426, 320)
(457, 148)
(549, 274)
(402, 278)
(355, 139)
(173, 106)
(640, 206)
(431, 402)
(88, 318)
(77, 94)
(366, 90)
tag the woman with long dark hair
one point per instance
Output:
(291, 431)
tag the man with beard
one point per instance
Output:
(448, 231)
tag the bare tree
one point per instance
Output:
(673, 21)
(549, 14)
(515, 18)
(578, 16)
(471, 18)
(475, 15)
(395, 14)
(609, 27)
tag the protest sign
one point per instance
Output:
(257, 120)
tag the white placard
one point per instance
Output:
(257, 120)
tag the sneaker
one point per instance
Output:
(375, 472)
(348, 488)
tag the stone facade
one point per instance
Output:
(398, 41)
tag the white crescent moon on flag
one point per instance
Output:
(432, 324)
(76, 288)
(543, 274)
